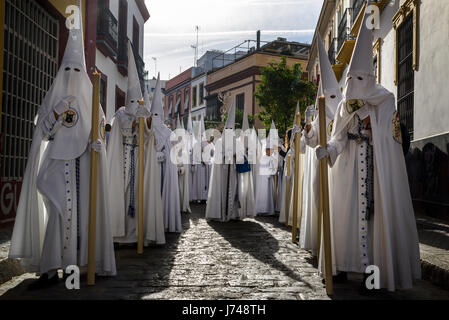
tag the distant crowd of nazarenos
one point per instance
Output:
(239, 176)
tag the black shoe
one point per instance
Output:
(341, 277)
(116, 246)
(44, 282)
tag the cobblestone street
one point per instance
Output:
(254, 259)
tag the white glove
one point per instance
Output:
(321, 153)
(181, 171)
(295, 130)
(160, 157)
(97, 146)
(142, 112)
(64, 105)
(192, 168)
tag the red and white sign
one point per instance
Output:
(9, 199)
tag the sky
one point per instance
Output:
(170, 31)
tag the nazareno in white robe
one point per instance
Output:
(389, 240)
(308, 238)
(119, 158)
(282, 213)
(265, 197)
(51, 202)
(169, 183)
(222, 204)
(183, 180)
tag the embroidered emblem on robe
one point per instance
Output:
(329, 128)
(103, 130)
(396, 127)
(354, 105)
(69, 118)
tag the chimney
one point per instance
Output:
(258, 40)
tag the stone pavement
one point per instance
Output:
(253, 259)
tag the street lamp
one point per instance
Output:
(155, 66)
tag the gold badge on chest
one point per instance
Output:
(330, 127)
(396, 128)
(353, 105)
(103, 130)
(70, 118)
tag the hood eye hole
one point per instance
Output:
(77, 70)
(360, 78)
(333, 96)
(67, 69)
(132, 101)
(349, 78)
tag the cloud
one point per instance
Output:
(228, 33)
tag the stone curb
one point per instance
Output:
(10, 268)
(435, 274)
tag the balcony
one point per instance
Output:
(122, 61)
(346, 41)
(332, 52)
(107, 33)
(343, 28)
(357, 6)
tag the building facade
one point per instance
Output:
(238, 80)
(410, 49)
(118, 22)
(177, 97)
(198, 94)
(33, 36)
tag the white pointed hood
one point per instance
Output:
(162, 132)
(230, 122)
(146, 98)
(134, 93)
(71, 80)
(178, 123)
(330, 87)
(189, 124)
(362, 57)
(273, 137)
(156, 106)
(245, 122)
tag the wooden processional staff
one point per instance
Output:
(297, 181)
(93, 181)
(140, 182)
(287, 189)
(324, 198)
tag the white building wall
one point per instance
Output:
(133, 10)
(200, 109)
(431, 115)
(108, 67)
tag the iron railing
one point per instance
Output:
(107, 26)
(123, 60)
(344, 28)
(406, 75)
(332, 52)
(357, 6)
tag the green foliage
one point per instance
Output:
(279, 92)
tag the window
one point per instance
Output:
(120, 97)
(240, 101)
(194, 93)
(377, 58)
(30, 66)
(136, 34)
(406, 74)
(201, 93)
(103, 92)
(186, 100)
